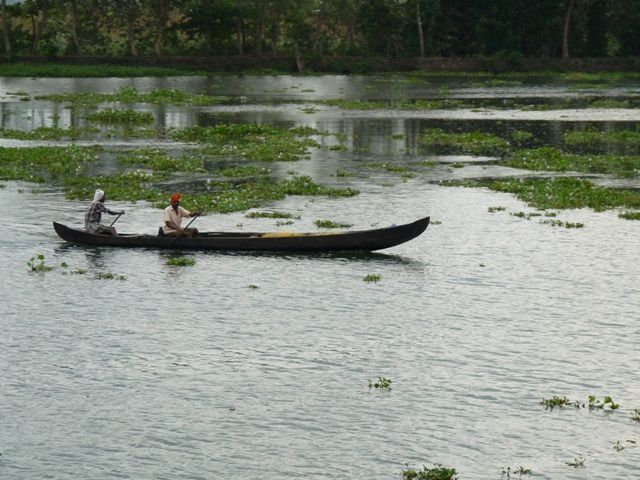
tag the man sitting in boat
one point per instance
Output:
(173, 216)
(94, 214)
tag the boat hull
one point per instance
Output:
(362, 240)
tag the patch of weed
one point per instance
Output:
(120, 116)
(630, 215)
(181, 262)
(438, 472)
(372, 278)
(37, 264)
(552, 159)
(383, 383)
(475, 143)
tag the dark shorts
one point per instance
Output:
(101, 229)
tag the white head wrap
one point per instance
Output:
(98, 195)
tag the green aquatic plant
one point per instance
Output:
(476, 143)
(181, 262)
(519, 471)
(304, 185)
(406, 104)
(109, 276)
(382, 383)
(609, 103)
(372, 278)
(560, 223)
(161, 161)
(47, 133)
(438, 472)
(226, 197)
(630, 215)
(591, 138)
(556, 401)
(521, 136)
(37, 164)
(67, 70)
(559, 193)
(577, 462)
(37, 264)
(110, 115)
(331, 224)
(388, 167)
(635, 416)
(495, 209)
(129, 95)
(129, 186)
(594, 403)
(270, 215)
(267, 143)
(355, 104)
(243, 171)
(551, 158)
(617, 446)
(497, 82)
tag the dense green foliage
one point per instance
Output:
(560, 193)
(506, 29)
(438, 472)
(550, 158)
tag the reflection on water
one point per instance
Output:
(257, 365)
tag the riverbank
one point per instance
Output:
(172, 65)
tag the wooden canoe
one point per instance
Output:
(330, 241)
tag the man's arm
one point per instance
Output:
(172, 225)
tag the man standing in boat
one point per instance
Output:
(94, 214)
(173, 216)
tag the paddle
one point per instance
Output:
(193, 220)
(116, 219)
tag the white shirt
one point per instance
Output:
(170, 215)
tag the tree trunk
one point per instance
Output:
(129, 11)
(239, 42)
(431, 24)
(260, 27)
(74, 26)
(565, 32)
(208, 39)
(5, 30)
(161, 23)
(420, 30)
(275, 37)
(299, 59)
(38, 27)
(350, 35)
(131, 37)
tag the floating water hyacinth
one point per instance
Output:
(382, 383)
(438, 472)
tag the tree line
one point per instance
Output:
(393, 28)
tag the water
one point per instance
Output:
(188, 373)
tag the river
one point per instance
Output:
(257, 366)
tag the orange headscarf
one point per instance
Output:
(176, 197)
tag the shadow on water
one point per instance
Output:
(96, 255)
(344, 255)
